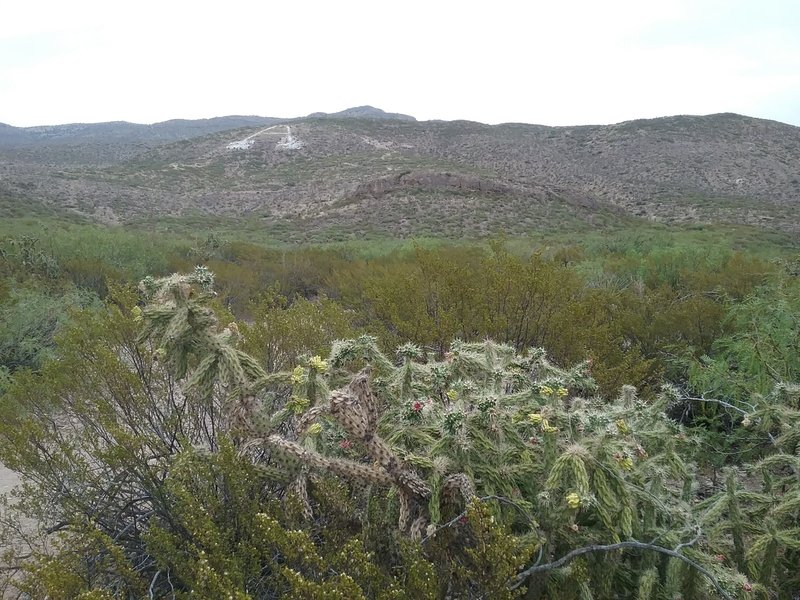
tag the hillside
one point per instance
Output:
(344, 175)
(104, 143)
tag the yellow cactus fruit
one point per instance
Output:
(319, 365)
(297, 375)
(547, 428)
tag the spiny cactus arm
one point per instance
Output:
(201, 380)
(240, 415)
(362, 350)
(418, 527)
(309, 417)
(352, 411)
(405, 511)
(346, 411)
(255, 373)
(186, 331)
(300, 487)
(402, 381)
(577, 378)
(357, 412)
(417, 436)
(458, 484)
(177, 284)
(466, 360)
(404, 477)
(309, 381)
(359, 386)
(266, 420)
(269, 379)
(346, 468)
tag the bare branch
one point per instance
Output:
(567, 558)
(153, 583)
(720, 402)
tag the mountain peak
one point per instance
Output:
(362, 112)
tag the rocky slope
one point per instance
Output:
(390, 174)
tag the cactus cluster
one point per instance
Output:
(436, 429)
(559, 467)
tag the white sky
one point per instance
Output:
(557, 62)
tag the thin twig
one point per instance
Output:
(170, 585)
(566, 559)
(153, 583)
(721, 403)
(683, 545)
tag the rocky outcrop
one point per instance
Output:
(430, 180)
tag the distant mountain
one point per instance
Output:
(108, 143)
(119, 140)
(348, 176)
(362, 112)
(166, 131)
(122, 131)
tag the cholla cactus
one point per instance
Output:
(561, 467)
(190, 341)
(432, 428)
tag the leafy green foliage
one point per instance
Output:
(25, 254)
(282, 331)
(762, 349)
(29, 319)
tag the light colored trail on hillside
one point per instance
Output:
(268, 129)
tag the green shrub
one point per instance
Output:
(170, 461)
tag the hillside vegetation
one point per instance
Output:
(353, 177)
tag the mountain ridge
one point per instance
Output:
(351, 174)
(226, 122)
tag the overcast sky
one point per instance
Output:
(560, 62)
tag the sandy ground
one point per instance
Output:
(8, 479)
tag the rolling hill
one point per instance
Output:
(366, 172)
